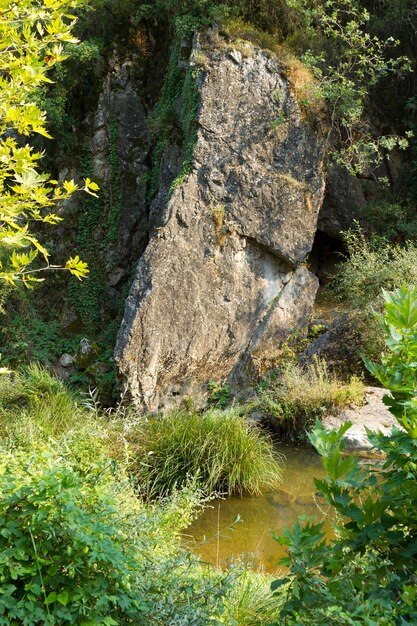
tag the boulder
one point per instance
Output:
(67, 360)
(373, 415)
(341, 343)
(221, 278)
(86, 354)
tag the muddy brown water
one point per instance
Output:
(240, 528)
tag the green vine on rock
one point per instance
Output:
(115, 192)
(95, 216)
(87, 297)
(188, 118)
(171, 127)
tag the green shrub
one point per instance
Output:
(355, 596)
(55, 99)
(393, 219)
(77, 547)
(64, 556)
(367, 575)
(189, 15)
(373, 265)
(220, 447)
(275, 16)
(294, 397)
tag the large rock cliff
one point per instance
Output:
(221, 280)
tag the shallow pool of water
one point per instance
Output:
(233, 527)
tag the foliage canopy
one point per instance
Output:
(33, 36)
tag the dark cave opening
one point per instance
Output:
(326, 254)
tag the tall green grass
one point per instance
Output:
(250, 601)
(295, 396)
(35, 405)
(220, 447)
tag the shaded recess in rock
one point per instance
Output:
(326, 255)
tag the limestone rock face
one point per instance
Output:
(344, 202)
(115, 141)
(221, 278)
(120, 124)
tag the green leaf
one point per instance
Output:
(63, 598)
(51, 597)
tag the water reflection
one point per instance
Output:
(236, 526)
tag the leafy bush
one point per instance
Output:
(373, 265)
(393, 219)
(64, 556)
(349, 65)
(220, 447)
(55, 99)
(77, 547)
(367, 575)
(354, 596)
(294, 397)
(274, 16)
(280, 17)
(92, 537)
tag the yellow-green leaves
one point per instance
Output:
(69, 186)
(77, 267)
(91, 187)
(33, 35)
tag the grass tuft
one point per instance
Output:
(250, 601)
(35, 405)
(220, 447)
(293, 398)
